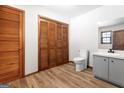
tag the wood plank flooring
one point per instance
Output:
(63, 76)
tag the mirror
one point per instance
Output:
(106, 37)
(111, 34)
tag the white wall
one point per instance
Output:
(31, 34)
(84, 28)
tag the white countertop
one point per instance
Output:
(112, 55)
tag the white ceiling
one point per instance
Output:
(70, 11)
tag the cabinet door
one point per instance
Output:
(100, 67)
(116, 71)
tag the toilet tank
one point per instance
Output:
(83, 53)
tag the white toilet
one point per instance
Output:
(81, 61)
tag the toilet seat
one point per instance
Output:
(79, 59)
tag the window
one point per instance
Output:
(106, 37)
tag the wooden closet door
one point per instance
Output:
(43, 45)
(52, 44)
(59, 44)
(11, 43)
(65, 43)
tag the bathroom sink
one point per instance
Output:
(114, 55)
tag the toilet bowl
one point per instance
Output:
(81, 61)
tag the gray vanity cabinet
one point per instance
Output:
(110, 69)
(100, 67)
(116, 71)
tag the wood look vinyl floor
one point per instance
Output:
(63, 76)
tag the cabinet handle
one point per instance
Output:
(112, 61)
(104, 59)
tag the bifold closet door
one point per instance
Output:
(62, 43)
(52, 44)
(59, 44)
(43, 55)
(65, 43)
(11, 43)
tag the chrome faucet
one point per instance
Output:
(111, 51)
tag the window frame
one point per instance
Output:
(106, 37)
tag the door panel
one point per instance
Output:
(9, 62)
(44, 59)
(44, 35)
(59, 35)
(8, 16)
(52, 57)
(65, 36)
(59, 56)
(65, 43)
(52, 44)
(9, 30)
(65, 55)
(59, 32)
(59, 41)
(52, 35)
(65, 33)
(6, 46)
(11, 43)
(43, 45)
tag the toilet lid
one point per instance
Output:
(78, 58)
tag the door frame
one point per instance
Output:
(21, 39)
(38, 43)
